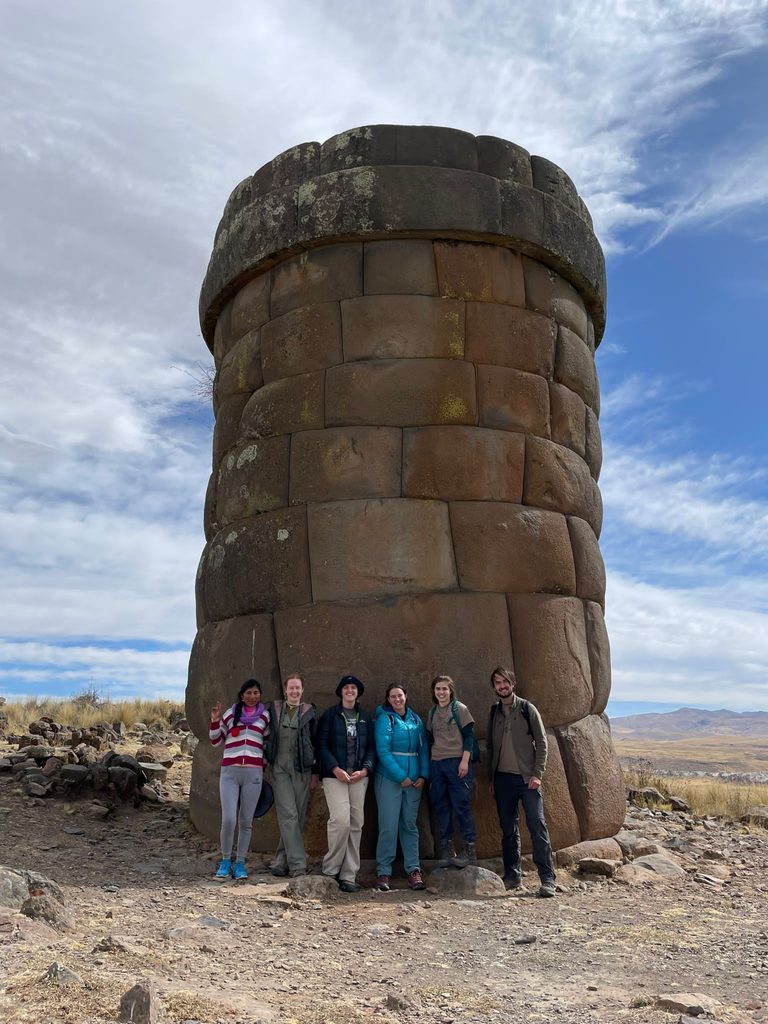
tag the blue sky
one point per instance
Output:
(122, 132)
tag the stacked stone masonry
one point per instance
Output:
(406, 449)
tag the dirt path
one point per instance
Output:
(601, 951)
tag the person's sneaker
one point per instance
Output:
(223, 870)
(349, 886)
(512, 882)
(415, 881)
(546, 890)
(382, 883)
(239, 873)
(278, 872)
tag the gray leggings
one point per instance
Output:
(238, 784)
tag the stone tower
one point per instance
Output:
(404, 321)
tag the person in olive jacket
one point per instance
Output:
(347, 753)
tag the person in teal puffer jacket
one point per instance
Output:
(402, 768)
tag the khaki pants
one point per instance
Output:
(291, 791)
(345, 827)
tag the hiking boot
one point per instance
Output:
(296, 872)
(512, 882)
(239, 874)
(278, 872)
(467, 856)
(546, 890)
(415, 881)
(445, 853)
(349, 886)
(382, 883)
(223, 870)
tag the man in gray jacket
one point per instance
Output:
(517, 756)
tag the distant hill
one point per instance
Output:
(691, 723)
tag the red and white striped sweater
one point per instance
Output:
(244, 742)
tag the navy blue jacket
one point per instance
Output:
(332, 741)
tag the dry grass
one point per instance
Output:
(722, 799)
(80, 713)
(702, 753)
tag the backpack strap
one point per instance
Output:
(455, 713)
(526, 713)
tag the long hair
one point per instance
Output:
(390, 688)
(505, 673)
(443, 679)
(239, 703)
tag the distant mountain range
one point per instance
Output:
(691, 722)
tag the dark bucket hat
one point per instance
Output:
(350, 681)
(266, 799)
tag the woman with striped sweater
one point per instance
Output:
(242, 730)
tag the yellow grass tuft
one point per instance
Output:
(704, 796)
(80, 714)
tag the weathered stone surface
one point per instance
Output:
(286, 405)
(590, 570)
(594, 776)
(404, 267)
(323, 275)
(575, 364)
(463, 463)
(549, 293)
(253, 478)
(653, 868)
(378, 547)
(507, 336)
(470, 881)
(402, 326)
(313, 887)
(13, 888)
(606, 849)
(510, 548)
(289, 168)
(210, 523)
(222, 335)
(503, 160)
(257, 565)
(250, 306)
(437, 146)
(227, 429)
(551, 657)
(401, 393)
(345, 462)
(567, 418)
(557, 479)
(599, 655)
(360, 147)
(141, 1004)
(512, 400)
(602, 866)
(486, 273)
(240, 370)
(306, 339)
(549, 178)
(593, 443)
(42, 907)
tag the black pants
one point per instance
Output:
(509, 789)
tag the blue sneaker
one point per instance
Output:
(223, 870)
(239, 874)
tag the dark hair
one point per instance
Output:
(389, 689)
(505, 673)
(239, 704)
(443, 679)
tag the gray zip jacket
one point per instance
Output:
(531, 751)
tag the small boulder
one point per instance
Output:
(44, 908)
(469, 881)
(153, 771)
(188, 743)
(74, 774)
(313, 887)
(13, 888)
(597, 866)
(58, 974)
(757, 815)
(607, 849)
(653, 868)
(691, 1003)
(155, 754)
(141, 1004)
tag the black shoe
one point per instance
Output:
(349, 886)
(279, 872)
(512, 882)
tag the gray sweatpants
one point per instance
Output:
(238, 784)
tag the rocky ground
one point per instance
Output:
(686, 916)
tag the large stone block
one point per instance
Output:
(594, 776)
(258, 565)
(404, 639)
(599, 655)
(507, 336)
(379, 547)
(225, 654)
(549, 293)
(512, 400)
(345, 462)
(250, 306)
(322, 275)
(522, 213)
(510, 548)
(549, 178)
(463, 463)
(253, 478)
(402, 326)
(400, 267)
(593, 444)
(228, 425)
(486, 273)
(436, 146)
(590, 570)
(306, 339)
(210, 524)
(222, 335)
(401, 393)
(360, 147)
(551, 658)
(288, 168)
(503, 160)
(567, 418)
(575, 365)
(240, 370)
(286, 405)
(558, 479)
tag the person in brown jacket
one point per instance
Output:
(517, 756)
